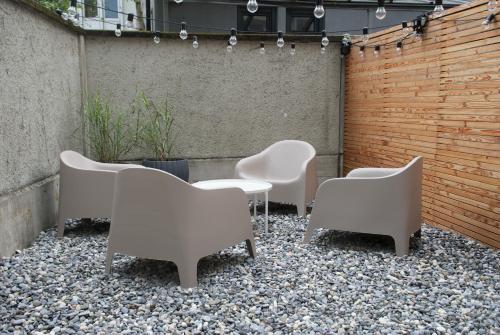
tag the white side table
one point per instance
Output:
(248, 186)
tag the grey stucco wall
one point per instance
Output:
(226, 105)
(40, 100)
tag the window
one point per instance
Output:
(111, 9)
(264, 20)
(90, 8)
(302, 21)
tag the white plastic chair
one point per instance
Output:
(385, 201)
(159, 216)
(85, 188)
(290, 166)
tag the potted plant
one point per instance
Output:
(156, 136)
(108, 134)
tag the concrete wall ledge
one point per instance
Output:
(26, 212)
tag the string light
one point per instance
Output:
(406, 29)
(324, 39)
(376, 51)
(399, 47)
(319, 10)
(130, 20)
(487, 21)
(232, 39)
(492, 5)
(292, 49)
(365, 35)
(195, 42)
(252, 6)
(229, 47)
(118, 30)
(72, 9)
(438, 10)
(183, 34)
(156, 37)
(361, 51)
(262, 49)
(380, 13)
(280, 42)
(418, 29)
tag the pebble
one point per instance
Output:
(340, 283)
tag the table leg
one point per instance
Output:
(266, 204)
(255, 207)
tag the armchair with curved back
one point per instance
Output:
(85, 188)
(159, 216)
(290, 166)
(385, 201)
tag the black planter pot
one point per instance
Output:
(177, 167)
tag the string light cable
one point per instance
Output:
(417, 26)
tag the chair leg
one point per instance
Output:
(60, 225)
(251, 247)
(301, 209)
(108, 262)
(188, 272)
(308, 234)
(402, 245)
(418, 233)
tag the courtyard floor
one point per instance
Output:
(341, 283)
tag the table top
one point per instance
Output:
(249, 186)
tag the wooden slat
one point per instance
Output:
(440, 99)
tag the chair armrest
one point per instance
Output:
(372, 172)
(253, 165)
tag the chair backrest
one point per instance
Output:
(150, 210)
(77, 161)
(411, 176)
(285, 158)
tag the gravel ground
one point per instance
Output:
(341, 283)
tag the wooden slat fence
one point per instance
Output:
(440, 99)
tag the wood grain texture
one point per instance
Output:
(439, 99)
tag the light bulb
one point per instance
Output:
(324, 39)
(195, 42)
(380, 13)
(232, 39)
(72, 9)
(229, 47)
(130, 20)
(156, 38)
(292, 49)
(438, 9)
(406, 29)
(323, 50)
(252, 6)
(183, 34)
(376, 51)
(179, 1)
(366, 37)
(492, 5)
(65, 16)
(280, 42)
(399, 47)
(262, 49)
(118, 30)
(319, 10)
(487, 22)
(362, 51)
